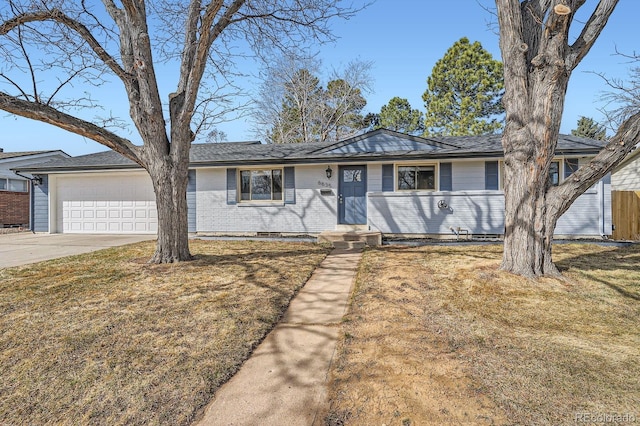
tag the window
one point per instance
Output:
(416, 177)
(352, 175)
(261, 185)
(15, 185)
(570, 166)
(554, 173)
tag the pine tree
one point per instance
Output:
(464, 92)
(398, 115)
(588, 128)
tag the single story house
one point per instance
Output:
(15, 190)
(380, 181)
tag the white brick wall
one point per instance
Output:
(418, 212)
(312, 211)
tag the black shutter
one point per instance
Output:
(289, 185)
(387, 178)
(446, 178)
(232, 186)
(491, 175)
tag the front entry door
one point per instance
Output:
(352, 199)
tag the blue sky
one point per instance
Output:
(403, 39)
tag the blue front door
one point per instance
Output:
(352, 199)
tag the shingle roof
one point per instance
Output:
(493, 144)
(246, 153)
(6, 155)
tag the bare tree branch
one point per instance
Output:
(609, 157)
(590, 32)
(58, 16)
(47, 114)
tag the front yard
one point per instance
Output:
(434, 335)
(437, 335)
(105, 338)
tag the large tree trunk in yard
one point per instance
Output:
(529, 141)
(538, 62)
(170, 186)
(529, 222)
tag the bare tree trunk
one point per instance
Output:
(536, 76)
(529, 223)
(170, 187)
(529, 141)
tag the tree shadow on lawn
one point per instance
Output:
(587, 261)
(254, 264)
(489, 251)
(621, 260)
(173, 335)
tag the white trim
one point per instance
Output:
(255, 203)
(436, 175)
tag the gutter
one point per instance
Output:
(317, 159)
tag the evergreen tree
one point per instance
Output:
(371, 121)
(588, 128)
(397, 115)
(464, 92)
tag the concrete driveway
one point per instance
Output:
(25, 247)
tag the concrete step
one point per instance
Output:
(345, 245)
(369, 238)
(349, 228)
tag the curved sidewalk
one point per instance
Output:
(284, 382)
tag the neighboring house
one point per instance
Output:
(381, 180)
(625, 184)
(15, 190)
(626, 177)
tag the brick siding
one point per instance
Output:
(14, 208)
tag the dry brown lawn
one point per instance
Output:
(105, 338)
(438, 335)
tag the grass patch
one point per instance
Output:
(104, 338)
(438, 335)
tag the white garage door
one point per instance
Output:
(106, 203)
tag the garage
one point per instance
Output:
(105, 203)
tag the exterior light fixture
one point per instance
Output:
(329, 172)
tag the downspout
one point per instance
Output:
(602, 211)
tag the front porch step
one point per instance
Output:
(369, 238)
(349, 228)
(345, 245)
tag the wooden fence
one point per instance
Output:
(625, 209)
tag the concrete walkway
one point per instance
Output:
(284, 382)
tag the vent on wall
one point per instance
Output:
(268, 234)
